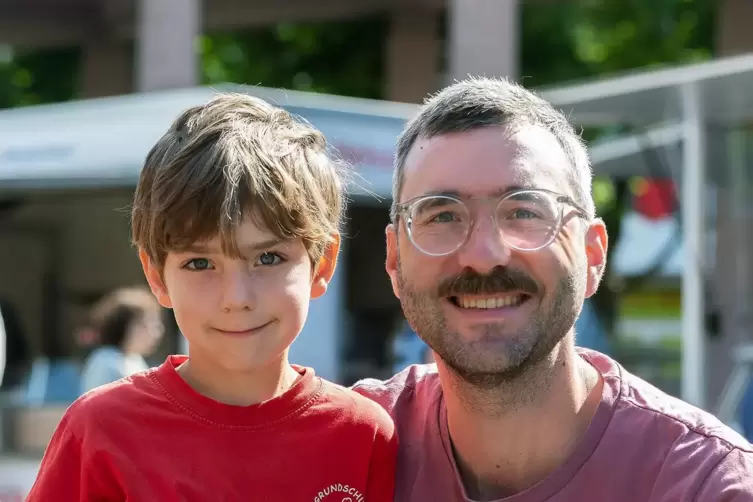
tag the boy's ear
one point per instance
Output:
(325, 269)
(154, 278)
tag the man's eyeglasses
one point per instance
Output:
(528, 220)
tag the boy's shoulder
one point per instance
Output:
(117, 400)
(353, 408)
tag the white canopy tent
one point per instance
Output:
(103, 142)
(693, 96)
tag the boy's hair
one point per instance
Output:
(111, 316)
(233, 157)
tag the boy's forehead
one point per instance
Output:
(252, 229)
(250, 233)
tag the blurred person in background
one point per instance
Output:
(128, 325)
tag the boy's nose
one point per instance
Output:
(238, 293)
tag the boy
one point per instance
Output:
(236, 219)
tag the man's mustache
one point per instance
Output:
(500, 280)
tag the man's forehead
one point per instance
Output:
(486, 161)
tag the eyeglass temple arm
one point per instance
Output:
(570, 202)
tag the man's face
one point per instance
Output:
(454, 301)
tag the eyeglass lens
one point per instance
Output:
(527, 220)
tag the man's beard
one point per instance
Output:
(514, 353)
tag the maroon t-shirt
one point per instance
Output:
(642, 445)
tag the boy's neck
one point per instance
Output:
(238, 388)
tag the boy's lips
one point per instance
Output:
(242, 332)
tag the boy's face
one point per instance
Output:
(241, 315)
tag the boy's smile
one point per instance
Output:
(243, 332)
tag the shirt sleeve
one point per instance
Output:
(731, 480)
(65, 474)
(381, 480)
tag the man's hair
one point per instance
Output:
(237, 156)
(481, 102)
(114, 314)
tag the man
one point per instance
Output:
(493, 248)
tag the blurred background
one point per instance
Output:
(660, 88)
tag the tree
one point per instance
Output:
(344, 58)
(37, 77)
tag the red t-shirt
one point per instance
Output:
(151, 438)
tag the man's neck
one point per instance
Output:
(510, 438)
(238, 388)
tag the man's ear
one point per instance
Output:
(596, 254)
(325, 268)
(390, 264)
(154, 278)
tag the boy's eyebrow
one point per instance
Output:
(257, 246)
(265, 244)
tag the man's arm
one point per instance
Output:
(731, 480)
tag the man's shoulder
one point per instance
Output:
(686, 438)
(685, 420)
(418, 383)
(640, 402)
(348, 407)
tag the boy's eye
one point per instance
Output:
(198, 264)
(269, 259)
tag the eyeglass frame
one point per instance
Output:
(403, 210)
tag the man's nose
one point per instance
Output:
(238, 291)
(485, 248)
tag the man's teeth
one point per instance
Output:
(489, 303)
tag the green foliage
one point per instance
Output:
(344, 58)
(587, 38)
(45, 76)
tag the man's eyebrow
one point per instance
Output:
(513, 188)
(462, 195)
(443, 193)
